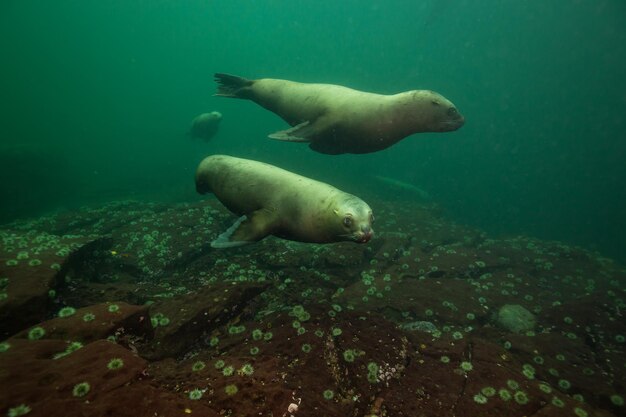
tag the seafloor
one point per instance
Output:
(412, 324)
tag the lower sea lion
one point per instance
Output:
(335, 119)
(204, 126)
(272, 201)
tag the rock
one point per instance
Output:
(97, 322)
(515, 318)
(46, 385)
(31, 264)
(188, 320)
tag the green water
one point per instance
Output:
(97, 97)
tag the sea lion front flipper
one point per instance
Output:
(246, 230)
(299, 133)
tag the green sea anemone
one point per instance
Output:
(520, 397)
(73, 346)
(466, 366)
(87, 317)
(236, 329)
(81, 389)
(512, 384)
(114, 308)
(198, 366)
(545, 388)
(480, 399)
(564, 384)
(504, 394)
(115, 363)
(20, 410)
(231, 389)
(617, 400)
(67, 312)
(195, 394)
(580, 412)
(557, 402)
(36, 333)
(328, 394)
(246, 369)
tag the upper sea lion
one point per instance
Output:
(272, 201)
(336, 119)
(204, 126)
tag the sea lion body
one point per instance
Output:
(205, 125)
(273, 201)
(336, 119)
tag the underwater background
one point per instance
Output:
(97, 98)
(493, 285)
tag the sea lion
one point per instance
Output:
(272, 201)
(335, 119)
(204, 126)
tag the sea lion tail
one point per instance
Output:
(232, 86)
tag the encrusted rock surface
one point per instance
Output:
(403, 326)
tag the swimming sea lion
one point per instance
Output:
(272, 201)
(335, 119)
(204, 126)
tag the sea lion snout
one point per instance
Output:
(365, 235)
(454, 121)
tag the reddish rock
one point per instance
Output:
(118, 319)
(190, 319)
(31, 264)
(352, 319)
(46, 385)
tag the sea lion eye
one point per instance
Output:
(452, 111)
(434, 103)
(347, 221)
(372, 218)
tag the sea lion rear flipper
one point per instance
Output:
(232, 86)
(299, 133)
(246, 230)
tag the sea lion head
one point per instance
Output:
(215, 115)
(433, 112)
(211, 117)
(204, 126)
(353, 220)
